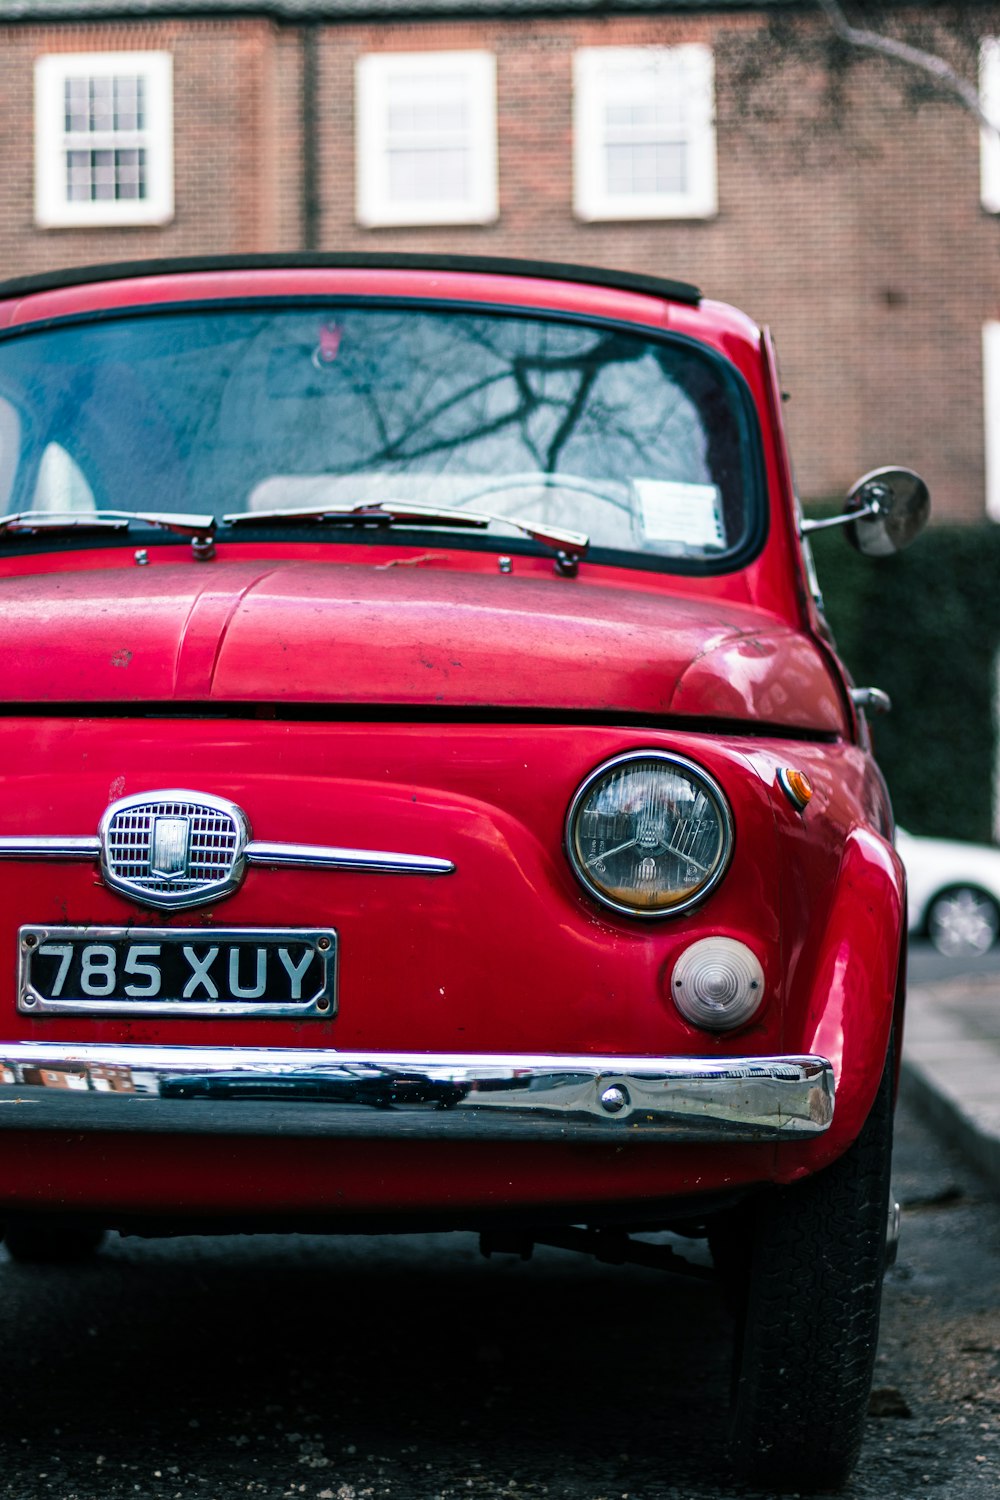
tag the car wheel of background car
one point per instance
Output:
(963, 920)
(34, 1242)
(806, 1279)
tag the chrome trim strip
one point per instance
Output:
(412, 1095)
(257, 852)
(34, 846)
(315, 856)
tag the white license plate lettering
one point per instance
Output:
(294, 971)
(64, 953)
(98, 964)
(199, 974)
(136, 962)
(117, 970)
(255, 989)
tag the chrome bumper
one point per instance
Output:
(269, 1091)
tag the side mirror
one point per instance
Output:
(886, 510)
(889, 509)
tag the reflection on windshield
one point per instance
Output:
(636, 441)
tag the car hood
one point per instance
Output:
(314, 632)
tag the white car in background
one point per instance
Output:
(954, 892)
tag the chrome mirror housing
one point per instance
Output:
(885, 511)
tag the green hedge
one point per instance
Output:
(925, 626)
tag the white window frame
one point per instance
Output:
(989, 140)
(53, 208)
(592, 196)
(376, 207)
(991, 416)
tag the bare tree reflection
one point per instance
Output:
(235, 398)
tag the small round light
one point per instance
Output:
(717, 983)
(649, 833)
(796, 786)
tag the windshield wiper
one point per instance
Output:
(200, 528)
(569, 546)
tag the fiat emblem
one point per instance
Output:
(174, 849)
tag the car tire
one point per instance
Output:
(804, 1268)
(963, 920)
(32, 1242)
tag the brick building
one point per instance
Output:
(662, 137)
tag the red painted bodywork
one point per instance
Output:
(364, 632)
(416, 699)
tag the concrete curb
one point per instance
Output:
(951, 1065)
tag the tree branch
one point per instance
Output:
(927, 62)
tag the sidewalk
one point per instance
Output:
(951, 1063)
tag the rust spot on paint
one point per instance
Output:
(410, 562)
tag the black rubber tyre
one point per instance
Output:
(33, 1242)
(805, 1276)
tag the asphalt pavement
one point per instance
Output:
(951, 1054)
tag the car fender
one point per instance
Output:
(855, 995)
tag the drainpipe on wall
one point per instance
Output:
(310, 143)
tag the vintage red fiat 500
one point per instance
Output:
(431, 797)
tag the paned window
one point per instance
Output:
(426, 138)
(644, 133)
(103, 139)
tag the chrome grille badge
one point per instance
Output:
(171, 837)
(174, 849)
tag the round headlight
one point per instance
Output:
(649, 833)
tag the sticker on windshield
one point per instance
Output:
(687, 515)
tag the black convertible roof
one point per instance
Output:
(626, 281)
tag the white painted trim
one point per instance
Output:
(592, 196)
(374, 79)
(991, 416)
(989, 140)
(53, 210)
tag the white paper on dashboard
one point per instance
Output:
(689, 515)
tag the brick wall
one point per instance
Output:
(225, 146)
(865, 249)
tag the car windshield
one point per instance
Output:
(642, 442)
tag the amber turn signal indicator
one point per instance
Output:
(796, 786)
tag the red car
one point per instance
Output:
(433, 799)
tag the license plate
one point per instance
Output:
(218, 971)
